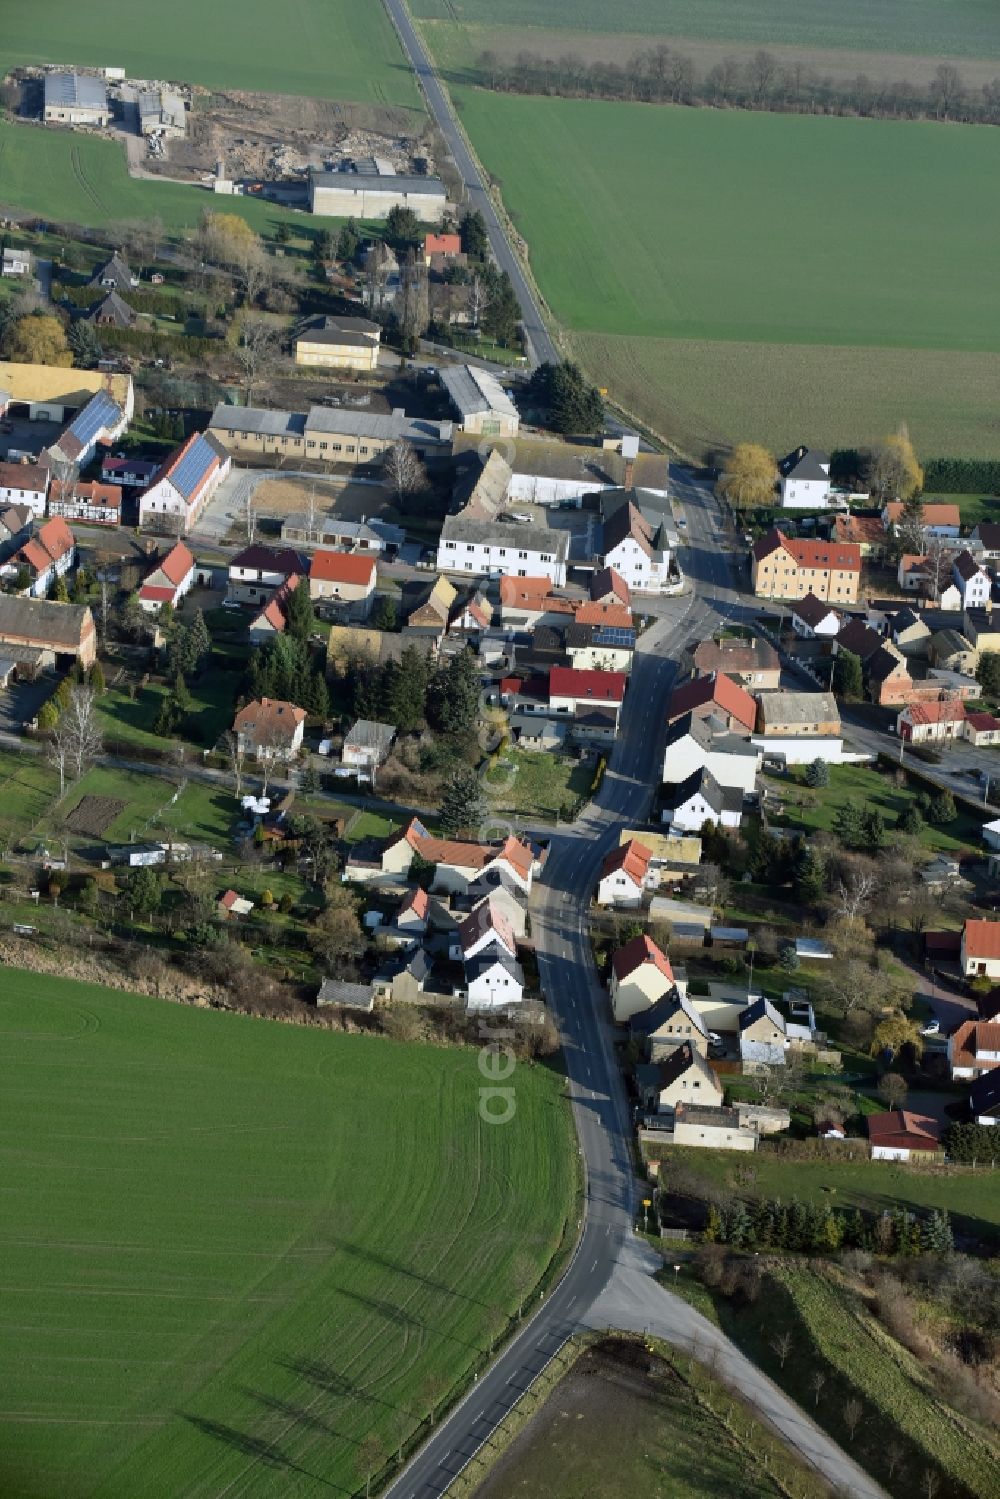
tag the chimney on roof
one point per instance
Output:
(630, 450)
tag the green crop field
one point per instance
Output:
(655, 229)
(325, 49)
(234, 1248)
(943, 27)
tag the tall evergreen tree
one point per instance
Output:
(462, 806)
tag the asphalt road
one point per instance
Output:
(540, 348)
(608, 1283)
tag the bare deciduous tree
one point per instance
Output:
(57, 754)
(782, 1345)
(255, 351)
(80, 725)
(855, 896)
(404, 472)
(236, 755)
(816, 1382)
(853, 1413)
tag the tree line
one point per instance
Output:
(661, 75)
(817, 1228)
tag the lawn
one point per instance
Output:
(130, 720)
(543, 785)
(325, 49)
(833, 1332)
(235, 1248)
(867, 788)
(956, 28)
(969, 1196)
(81, 179)
(614, 1427)
(28, 788)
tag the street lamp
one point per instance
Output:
(677, 1271)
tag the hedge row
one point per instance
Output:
(941, 475)
(158, 345)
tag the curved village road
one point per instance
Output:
(540, 348)
(609, 1281)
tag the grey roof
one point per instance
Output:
(648, 1022)
(883, 664)
(357, 332)
(674, 1066)
(984, 1093)
(388, 428)
(114, 269)
(484, 961)
(811, 610)
(79, 90)
(805, 463)
(719, 798)
(757, 1011)
(535, 540)
(351, 996)
(59, 625)
(367, 733)
(798, 707)
(472, 390)
(950, 640)
(699, 730)
(368, 182)
(966, 565)
(332, 526)
(705, 1114)
(115, 307)
(256, 419)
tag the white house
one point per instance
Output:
(689, 804)
(493, 981)
(811, 618)
(485, 929)
(762, 1035)
(980, 949)
(972, 581)
(492, 549)
(640, 975)
(367, 745)
(640, 550)
(24, 484)
(46, 556)
(692, 746)
(805, 479)
(169, 581)
(258, 571)
(15, 262)
(185, 484)
(626, 875)
(974, 1048)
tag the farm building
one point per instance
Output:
(370, 195)
(326, 434)
(24, 484)
(54, 629)
(185, 483)
(480, 403)
(339, 343)
(75, 99)
(49, 394)
(161, 112)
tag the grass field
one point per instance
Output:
(703, 394)
(972, 1198)
(834, 1332)
(81, 179)
(612, 1427)
(28, 788)
(130, 720)
(817, 810)
(664, 241)
(233, 1248)
(956, 27)
(542, 784)
(326, 49)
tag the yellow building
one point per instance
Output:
(786, 567)
(339, 343)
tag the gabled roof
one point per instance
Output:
(93, 493)
(112, 309)
(114, 269)
(805, 463)
(812, 611)
(270, 715)
(265, 559)
(189, 466)
(809, 553)
(971, 1039)
(177, 563)
(416, 900)
(982, 722)
(859, 638)
(587, 686)
(675, 1066)
(33, 477)
(951, 710)
(486, 918)
(717, 689)
(982, 939)
(984, 1092)
(935, 514)
(703, 783)
(734, 656)
(966, 565)
(866, 530)
(628, 523)
(368, 733)
(761, 1009)
(493, 957)
(885, 663)
(635, 953)
(632, 858)
(686, 726)
(650, 1021)
(342, 567)
(901, 1127)
(608, 583)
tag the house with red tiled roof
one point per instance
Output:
(169, 581)
(270, 729)
(899, 1134)
(607, 586)
(979, 954)
(786, 567)
(923, 723)
(447, 246)
(937, 518)
(974, 1048)
(864, 531)
(414, 910)
(625, 876)
(640, 975)
(49, 554)
(981, 728)
(457, 864)
(93, 503)
(345, 579)
(715, 696)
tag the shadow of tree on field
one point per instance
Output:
(256, 1448)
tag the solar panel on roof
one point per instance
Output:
(193, 467)
(615, 635)
(100, 413)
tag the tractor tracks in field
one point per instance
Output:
(84, 182)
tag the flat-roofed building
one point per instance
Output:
(51, 394)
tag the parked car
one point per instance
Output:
(932, 1027)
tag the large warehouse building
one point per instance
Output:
(75, 99)
(370, 195)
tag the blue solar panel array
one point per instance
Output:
(615, 635)
(193, 467)
(99, 414)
